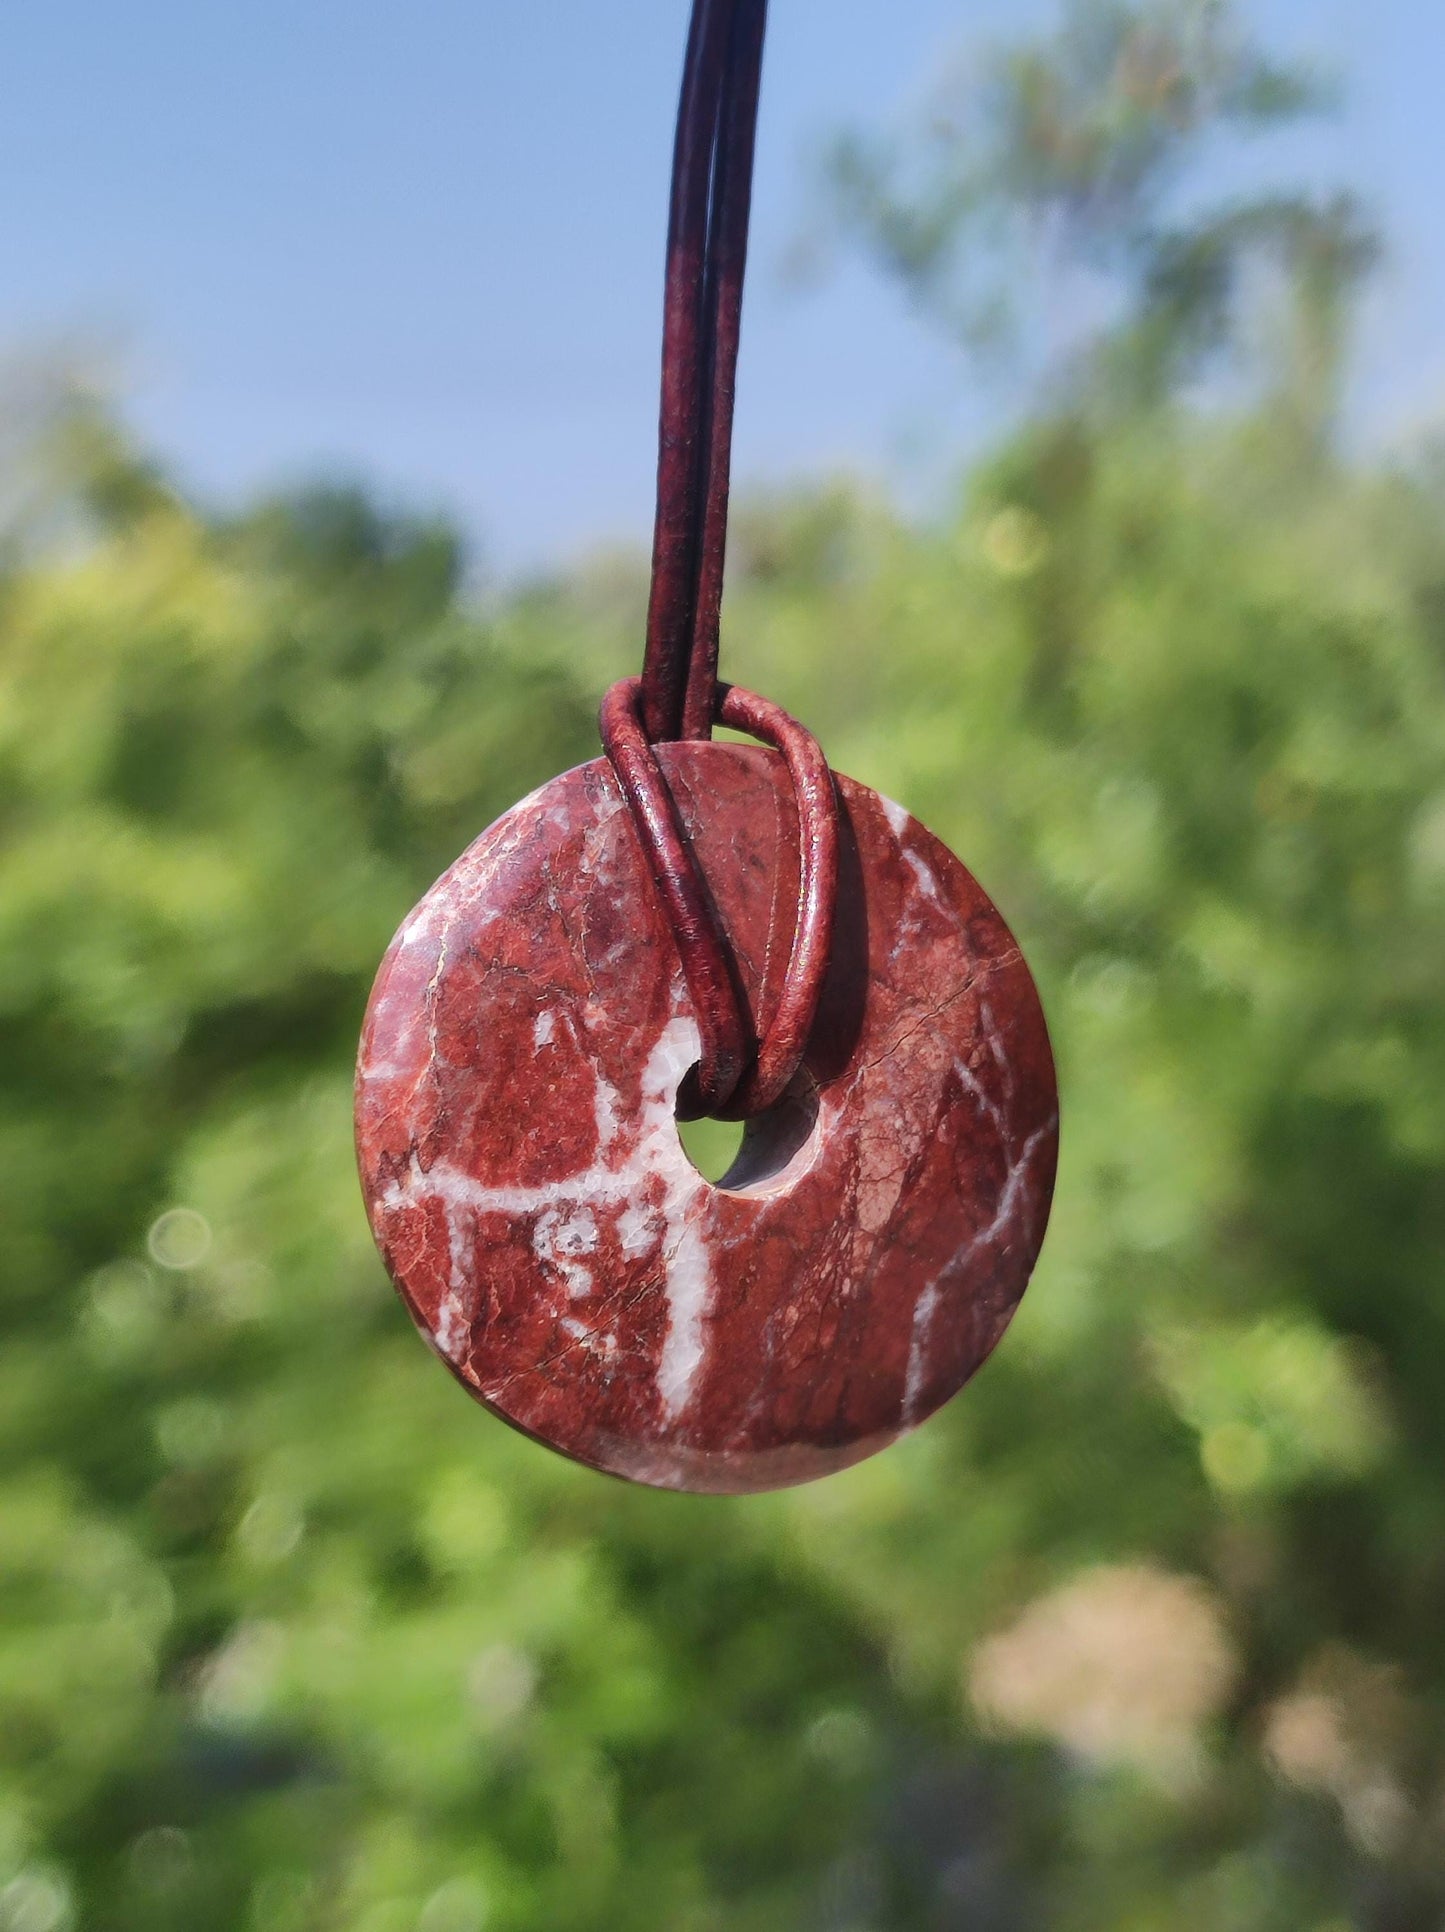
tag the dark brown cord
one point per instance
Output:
(678, 694)
(723, 298)
(686, 340)
(730, 1079)
(706, 966)
(706, 255)
(781, 1048)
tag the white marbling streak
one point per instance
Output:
(564, 1216)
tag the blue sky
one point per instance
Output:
(421, 244)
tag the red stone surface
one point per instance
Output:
(519, 1153)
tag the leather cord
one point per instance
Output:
(734, 1077)
(678, 694)
(706, 256)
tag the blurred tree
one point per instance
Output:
(1143, 1631)
(1051, 178)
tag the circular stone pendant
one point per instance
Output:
(517, 1136)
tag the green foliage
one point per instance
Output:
(294, 1637)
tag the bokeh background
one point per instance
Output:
(1093, 508)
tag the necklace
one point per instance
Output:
(686, 926)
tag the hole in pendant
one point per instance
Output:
(757, 1156)
(711, 1145)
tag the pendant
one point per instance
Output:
(517, 1088)
(713, 926)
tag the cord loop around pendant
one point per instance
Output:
(734, 1077)
(678, 694)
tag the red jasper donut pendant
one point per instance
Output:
(518, 1144)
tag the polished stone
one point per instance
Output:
(519, 1153)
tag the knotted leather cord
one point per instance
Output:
(678, 694)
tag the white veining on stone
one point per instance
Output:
(689, 1272)
(927, 1302)
(563, 1213)
(996, 1046)
(896, 815)
(528, 803)
(536, 808)
(543, 1028)
(923, 872)
(453, 1328)
(560, 1235)
(1008, 1197)
(636, 1229)
(604, 1107)
(976, 1091)
(451, 1322)
(918, 1349)
(901, 822)
(429, 997)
